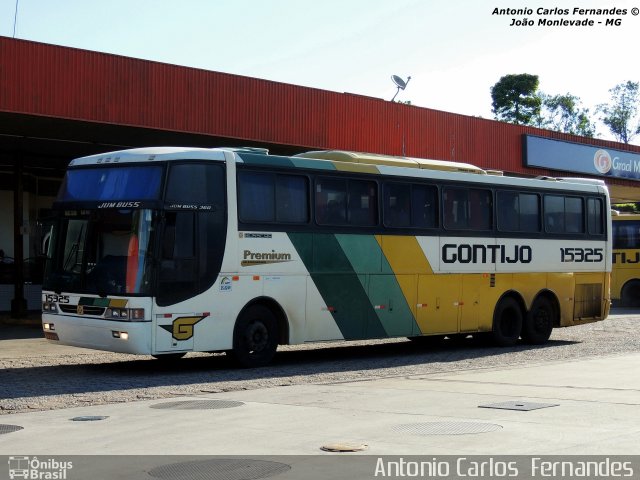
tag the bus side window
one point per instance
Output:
(397, 204)
(331, 201)
(292, 199)
(594, 216)
(554, 214)
(363, 203)
(256, 197)
(574, 215)
(467, 209)
(424, 206)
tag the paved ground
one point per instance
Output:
(592, 407)
(392, 396)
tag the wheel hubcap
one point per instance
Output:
(257, 336)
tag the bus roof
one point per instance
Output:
(342, 160)
(392, 161)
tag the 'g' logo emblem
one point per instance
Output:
(182, 327)
(80, 309)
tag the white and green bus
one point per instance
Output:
(164, 251)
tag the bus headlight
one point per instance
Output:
(124, 314)
(49, 307)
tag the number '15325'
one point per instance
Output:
(579, 255)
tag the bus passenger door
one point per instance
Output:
(438, 303)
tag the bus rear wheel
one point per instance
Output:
(507, 322)
(255, 337)
(539, 322)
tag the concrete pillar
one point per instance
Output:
(18, 304)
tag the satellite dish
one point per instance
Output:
(400, 83)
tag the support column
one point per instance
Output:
(18, 304)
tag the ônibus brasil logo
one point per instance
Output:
(30, 468)
(602, 161)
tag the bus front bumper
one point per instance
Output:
(97, 334)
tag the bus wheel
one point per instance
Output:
(507, 323)
(255, 337)
(539, 322)
(630, 296)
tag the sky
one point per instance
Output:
(454, 50)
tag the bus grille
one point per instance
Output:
(86, 309)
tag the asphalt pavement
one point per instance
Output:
(573, 407)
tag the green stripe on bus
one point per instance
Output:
(270, 160)
(340, 286)
(382, 287)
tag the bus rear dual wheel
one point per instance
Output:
(509, 323)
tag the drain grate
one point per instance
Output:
(9, 428)
(198, 404)
(89, 418)
(521, 406)
(220, 469)
(447, 428)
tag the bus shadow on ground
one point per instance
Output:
(289, 366)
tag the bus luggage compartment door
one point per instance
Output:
(174, 332)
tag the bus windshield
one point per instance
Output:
(109, 183)
(105, 253)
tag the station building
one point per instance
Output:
(59, 103)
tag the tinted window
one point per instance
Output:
(256, 197)
(113, 183)
(331, 201)
(268, 197)
(467, 209)
(424, 206)
(554, 214)
(178, 266)
(595, 217)
(518, 212)
(363, 203)
(292, 199)
(574, 211)
(407, 205)
(397, 205)
(626, 234)
(563, 214)
(346, 202)
(196, 183)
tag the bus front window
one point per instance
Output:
(107, 253)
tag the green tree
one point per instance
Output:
(621, 113)
(514, 99)
(564, 113)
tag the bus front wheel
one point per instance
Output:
(255, 337)
(539, 322)
(507, 322)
